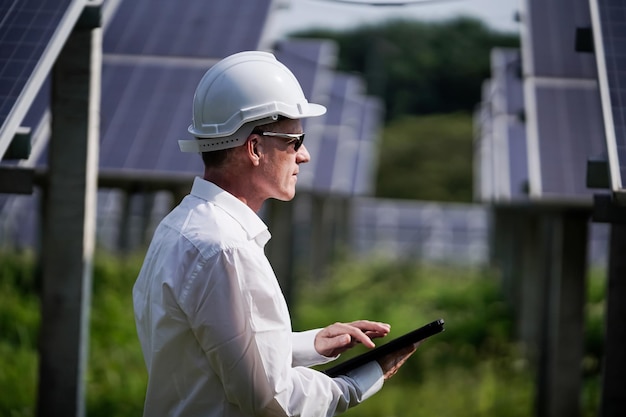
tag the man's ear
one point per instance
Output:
(252, 149)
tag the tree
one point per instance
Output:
(418, 67)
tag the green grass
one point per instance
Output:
(472, 369)
(458, 372)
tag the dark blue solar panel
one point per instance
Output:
(550, 27)
(570, 132)
(610, 27)
(205, 29)
(27, 29)
(146, 108)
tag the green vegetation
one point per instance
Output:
(420, 67)
(427, 158)
(472, 369)
(429, 77)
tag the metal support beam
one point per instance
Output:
(69, 225)
(613, 399)
(561, 347)
(531, 311)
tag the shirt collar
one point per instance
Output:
(244, 215)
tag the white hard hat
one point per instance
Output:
(240, 92)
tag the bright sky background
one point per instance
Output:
(306, 14)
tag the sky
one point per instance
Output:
(307, 14)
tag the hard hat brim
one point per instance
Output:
(206, 143)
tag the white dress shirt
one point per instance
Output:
(214, 326)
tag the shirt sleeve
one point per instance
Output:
(304, 353)
(240, 319)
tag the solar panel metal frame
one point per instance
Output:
(608, 107)
(37, 77)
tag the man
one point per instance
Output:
(213, 325)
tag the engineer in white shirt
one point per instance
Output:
(212, 321)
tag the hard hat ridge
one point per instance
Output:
(240, 92)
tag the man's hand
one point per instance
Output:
(392, 362)
(339, 337)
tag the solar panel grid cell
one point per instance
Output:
(26, 27)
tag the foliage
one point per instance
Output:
(419, 67)
(427, 158)
(472, 369)
(458, 372)
(19, 321)
(116, 381)
(116, 377)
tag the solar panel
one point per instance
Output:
(549, 35)
(142, 123)
(561, 99)
(367, 152)
(32, 33)
(155, 53)
(190, 29)
(564, 132)
(508, 132)
(609, 30)
(500, 150)
(508, 93)
(336, 158)
(312, 61)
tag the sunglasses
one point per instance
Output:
(295, 138)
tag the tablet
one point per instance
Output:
(380, 351)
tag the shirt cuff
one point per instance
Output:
(304, 353)
(369, 379)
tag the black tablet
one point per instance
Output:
(380, 351)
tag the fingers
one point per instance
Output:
(339, 337)
(372, 329)
(355, 333)
(363, 331)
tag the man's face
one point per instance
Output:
(280, 162)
